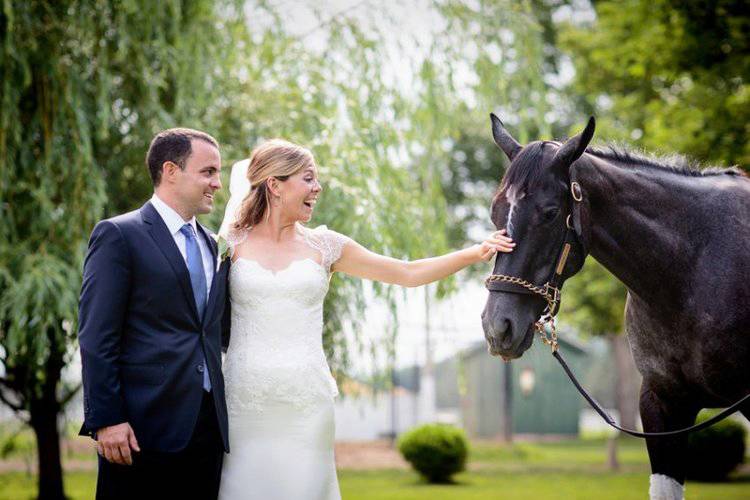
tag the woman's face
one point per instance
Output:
(299, 193)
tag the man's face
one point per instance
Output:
(196, 184)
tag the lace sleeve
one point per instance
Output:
(329, 243)
(234, 238)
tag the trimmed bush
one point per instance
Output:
(436, 451)
(715, 452)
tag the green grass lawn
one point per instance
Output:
(528, 471)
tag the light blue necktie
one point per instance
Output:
(198, 281)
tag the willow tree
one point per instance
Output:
(383, 127)
(336, 101)
(488, 56)
(84, 86)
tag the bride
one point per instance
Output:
(279, 388)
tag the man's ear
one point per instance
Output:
(168, 170)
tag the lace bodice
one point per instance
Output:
(276, 346)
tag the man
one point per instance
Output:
(152, 318)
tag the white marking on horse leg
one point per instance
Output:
(665, 488)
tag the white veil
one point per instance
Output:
(239, 187)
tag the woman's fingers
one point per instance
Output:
(496, 242)
(501, 245)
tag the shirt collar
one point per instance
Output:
(172, 219)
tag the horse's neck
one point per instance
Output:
(640, 223)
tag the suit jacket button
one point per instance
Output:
(199, 368)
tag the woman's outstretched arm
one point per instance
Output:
(358, 261)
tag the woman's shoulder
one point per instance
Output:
(323, 230)
(235, 236)
(330, 243)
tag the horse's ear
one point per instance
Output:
(503, 139)
(574, 147)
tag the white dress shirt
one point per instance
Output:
(174, 222)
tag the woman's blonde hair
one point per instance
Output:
(274, 158)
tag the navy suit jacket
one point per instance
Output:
(142, 344)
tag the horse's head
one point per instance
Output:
(533, 205)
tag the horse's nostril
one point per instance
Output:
(500, 327)
(506, 337)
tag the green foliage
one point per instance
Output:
(85, 86)
(492, 59)
(385, 152)
(594, 301)
(667, 75)
(716, 451)
(436, 451)
(46, 160)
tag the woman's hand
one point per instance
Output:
(495, 242)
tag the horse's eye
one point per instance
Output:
(549, 214)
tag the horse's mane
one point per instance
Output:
(677, 164)
(525, 171)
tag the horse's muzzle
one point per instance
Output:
(499, 335)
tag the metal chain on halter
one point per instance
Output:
(549, 293)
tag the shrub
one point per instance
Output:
(714, 452)
(436, 451)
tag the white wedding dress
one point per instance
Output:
(279, 388)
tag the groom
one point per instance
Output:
(152, 321)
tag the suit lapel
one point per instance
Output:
(165, 242)
(214, 282)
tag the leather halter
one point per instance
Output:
(551, 289)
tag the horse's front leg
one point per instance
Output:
(667, 454)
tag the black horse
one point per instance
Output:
(676, 236)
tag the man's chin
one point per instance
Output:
(205, 209)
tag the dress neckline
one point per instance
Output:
(276, 272)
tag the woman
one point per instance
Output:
(279, 387)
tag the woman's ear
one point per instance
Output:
(273, 186)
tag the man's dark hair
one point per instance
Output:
(173, 145)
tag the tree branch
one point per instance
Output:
(66, 399)
(13, 406)
(332, 19)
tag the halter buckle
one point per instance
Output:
(575, 190)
